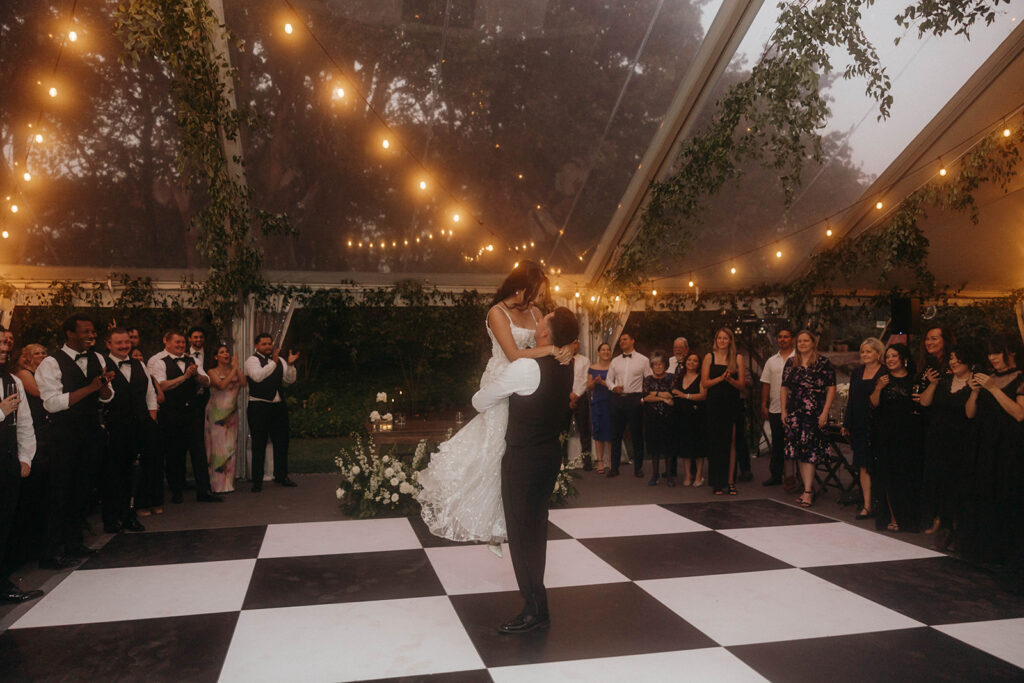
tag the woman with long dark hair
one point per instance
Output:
(895, 444)
(722, 377)
(461, 496)
(691, 413)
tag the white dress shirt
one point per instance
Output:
(26, 432)
(51, 389)
(521, 377)
(126, 372)
(772, 376)
(258, 373)
(629, 373)
(157, 369)
(673, 364)
(580, 365)
(199, 355)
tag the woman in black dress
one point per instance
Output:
(935, 346)
(657, 400)
(857, 420)
(690, 411)
(946, 444)
(722, 377)
(992, 512)
(895, 444)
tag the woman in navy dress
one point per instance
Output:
(857, 421)
(600, 405)
(808, 389)
(693, 421)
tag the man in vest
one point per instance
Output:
(537, 390)
(266, 372)
(73, 382)
(17, 449)
(181, 419)
(129, 418)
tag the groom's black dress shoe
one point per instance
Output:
(13, 595)
(612, 473)
(524, 623)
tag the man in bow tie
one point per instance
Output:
(181, 419)
(266, 373)
(626, 382)
(73, 383)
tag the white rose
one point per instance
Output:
(382, 397)
(375, 416)
(394, 481)
(406, 488)
(389, 472)
(355, 469)
(401, 475)
(394, 497)
(387, 417)
(386, 459)
(340, 493)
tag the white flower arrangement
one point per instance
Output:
(374, 416)
(387, 417)
(373, 483)
(382, 397)
(843, 390)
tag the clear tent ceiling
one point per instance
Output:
(525, 117)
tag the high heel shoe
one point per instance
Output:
(496, 549)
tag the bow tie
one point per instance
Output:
(196, 353)
(627, 355)
(81, 356)
(181, 359)
(122, 363)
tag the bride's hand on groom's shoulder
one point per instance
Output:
(563, 354)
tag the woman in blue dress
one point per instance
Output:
(600, 405)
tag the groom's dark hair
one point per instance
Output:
(565, 329)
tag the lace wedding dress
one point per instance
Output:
(461, 496)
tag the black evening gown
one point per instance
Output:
(692, 416)
(945, 454)
(897, 456)
(722, 406)
(857, 419)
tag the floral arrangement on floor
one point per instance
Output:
(564, 488)
(374, 483)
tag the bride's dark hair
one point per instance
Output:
(527, 276)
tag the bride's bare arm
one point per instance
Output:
(502, 330)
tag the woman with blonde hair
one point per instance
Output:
(857, 422)
(722, 378)
(808, 389)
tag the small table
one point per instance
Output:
(413, 432)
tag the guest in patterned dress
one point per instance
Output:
(808, 389)
(600, 405)
(657, 399)
(222, 420)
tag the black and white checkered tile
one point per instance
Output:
(723, 591)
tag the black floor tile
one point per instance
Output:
(586, 621)
(177, 547)
(351, 577)
(479, 676)
(190, 648)
(664, 556)
(936, 590)
(919, 654)
(429, 540)
(744, 514)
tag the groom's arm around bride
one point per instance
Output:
(538, 412)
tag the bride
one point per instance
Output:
(461, 496)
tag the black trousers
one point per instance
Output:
(527, 478)
(26, 536)
(10, 482)
(778, 459)
(660, 431)
(76, 447)
(182, 432)
(269, 421)
(627, 411)
(122, 464)
(582, 415)
(742, 447)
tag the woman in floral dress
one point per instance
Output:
(222, 420)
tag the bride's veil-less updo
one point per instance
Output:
(528, 277)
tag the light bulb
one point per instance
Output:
(5, 234)
(490, 247)
(72, 36)
(515, 265)
(577, 295)
(456, 218)
(942, 172)
(423, 184)
(27, 176)
(339, 93)
(1006, 132)
(14, 208)
(691, 283)
(406, 242)
(828, 233)
(557, 288)
(39, 137)
(878, 205)
(654, 292)
(385, 143)
(288, 28)
(350, 243)
(531, 244)
(519, 176)
(733, 270)
(593, 299)
(417, 240)
(617, 298)
(778, 254)
(53, 92)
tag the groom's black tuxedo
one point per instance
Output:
(531, 462)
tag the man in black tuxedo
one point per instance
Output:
(266, 372)
(537, 390)
(129, 419)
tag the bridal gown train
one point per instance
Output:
(461, 496)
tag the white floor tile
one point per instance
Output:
(349, 641)
(768, 606)
(166, 590)
(474, 569)
(711, 664)
(819, 545)
(621, 520)
(1003, 638)
(336, 538)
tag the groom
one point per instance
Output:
(538, 412)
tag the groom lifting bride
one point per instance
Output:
(537, 391)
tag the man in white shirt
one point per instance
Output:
(771, 403)
(626, 382)
(680, 349)
(266, 373)
(580, 403)
(73, 382)
(17, 450)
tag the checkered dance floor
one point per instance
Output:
(723, 591)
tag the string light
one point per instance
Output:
(385, 143)
(654, 292)
(778, 254)
(288, 28)
(53, 91)
(732, 270)
(423, 184)
(490, 247)
(456, 218)
(27, 176)
(691, 283)
(5, 234)
(339, 93)
(828, 232)
(577, 295)
(879, 205)
(1006, 132)
(350, 243)
(557, 288)
(515, 265)
(72, 36)
(942, 171)
(39, 137)
(14, 208)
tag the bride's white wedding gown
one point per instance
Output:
(461, 496)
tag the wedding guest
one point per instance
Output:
(722, 376)
(946, 445)
(895, 446)
(626, 374)
(692, 419)
(181, 422)
(134, 337)
(771, 404)
(580, 404)
(150, 496)
(935, 345)
(31, 356)
(222, 419)
(129, 418)
(857, 420)
(197, 345)
(808, 389)
(266, 373)
(8, 336)
(73, 382)
(680, 350)
(17, 450)
(600, 404)
(27, 531)
(657, 400)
